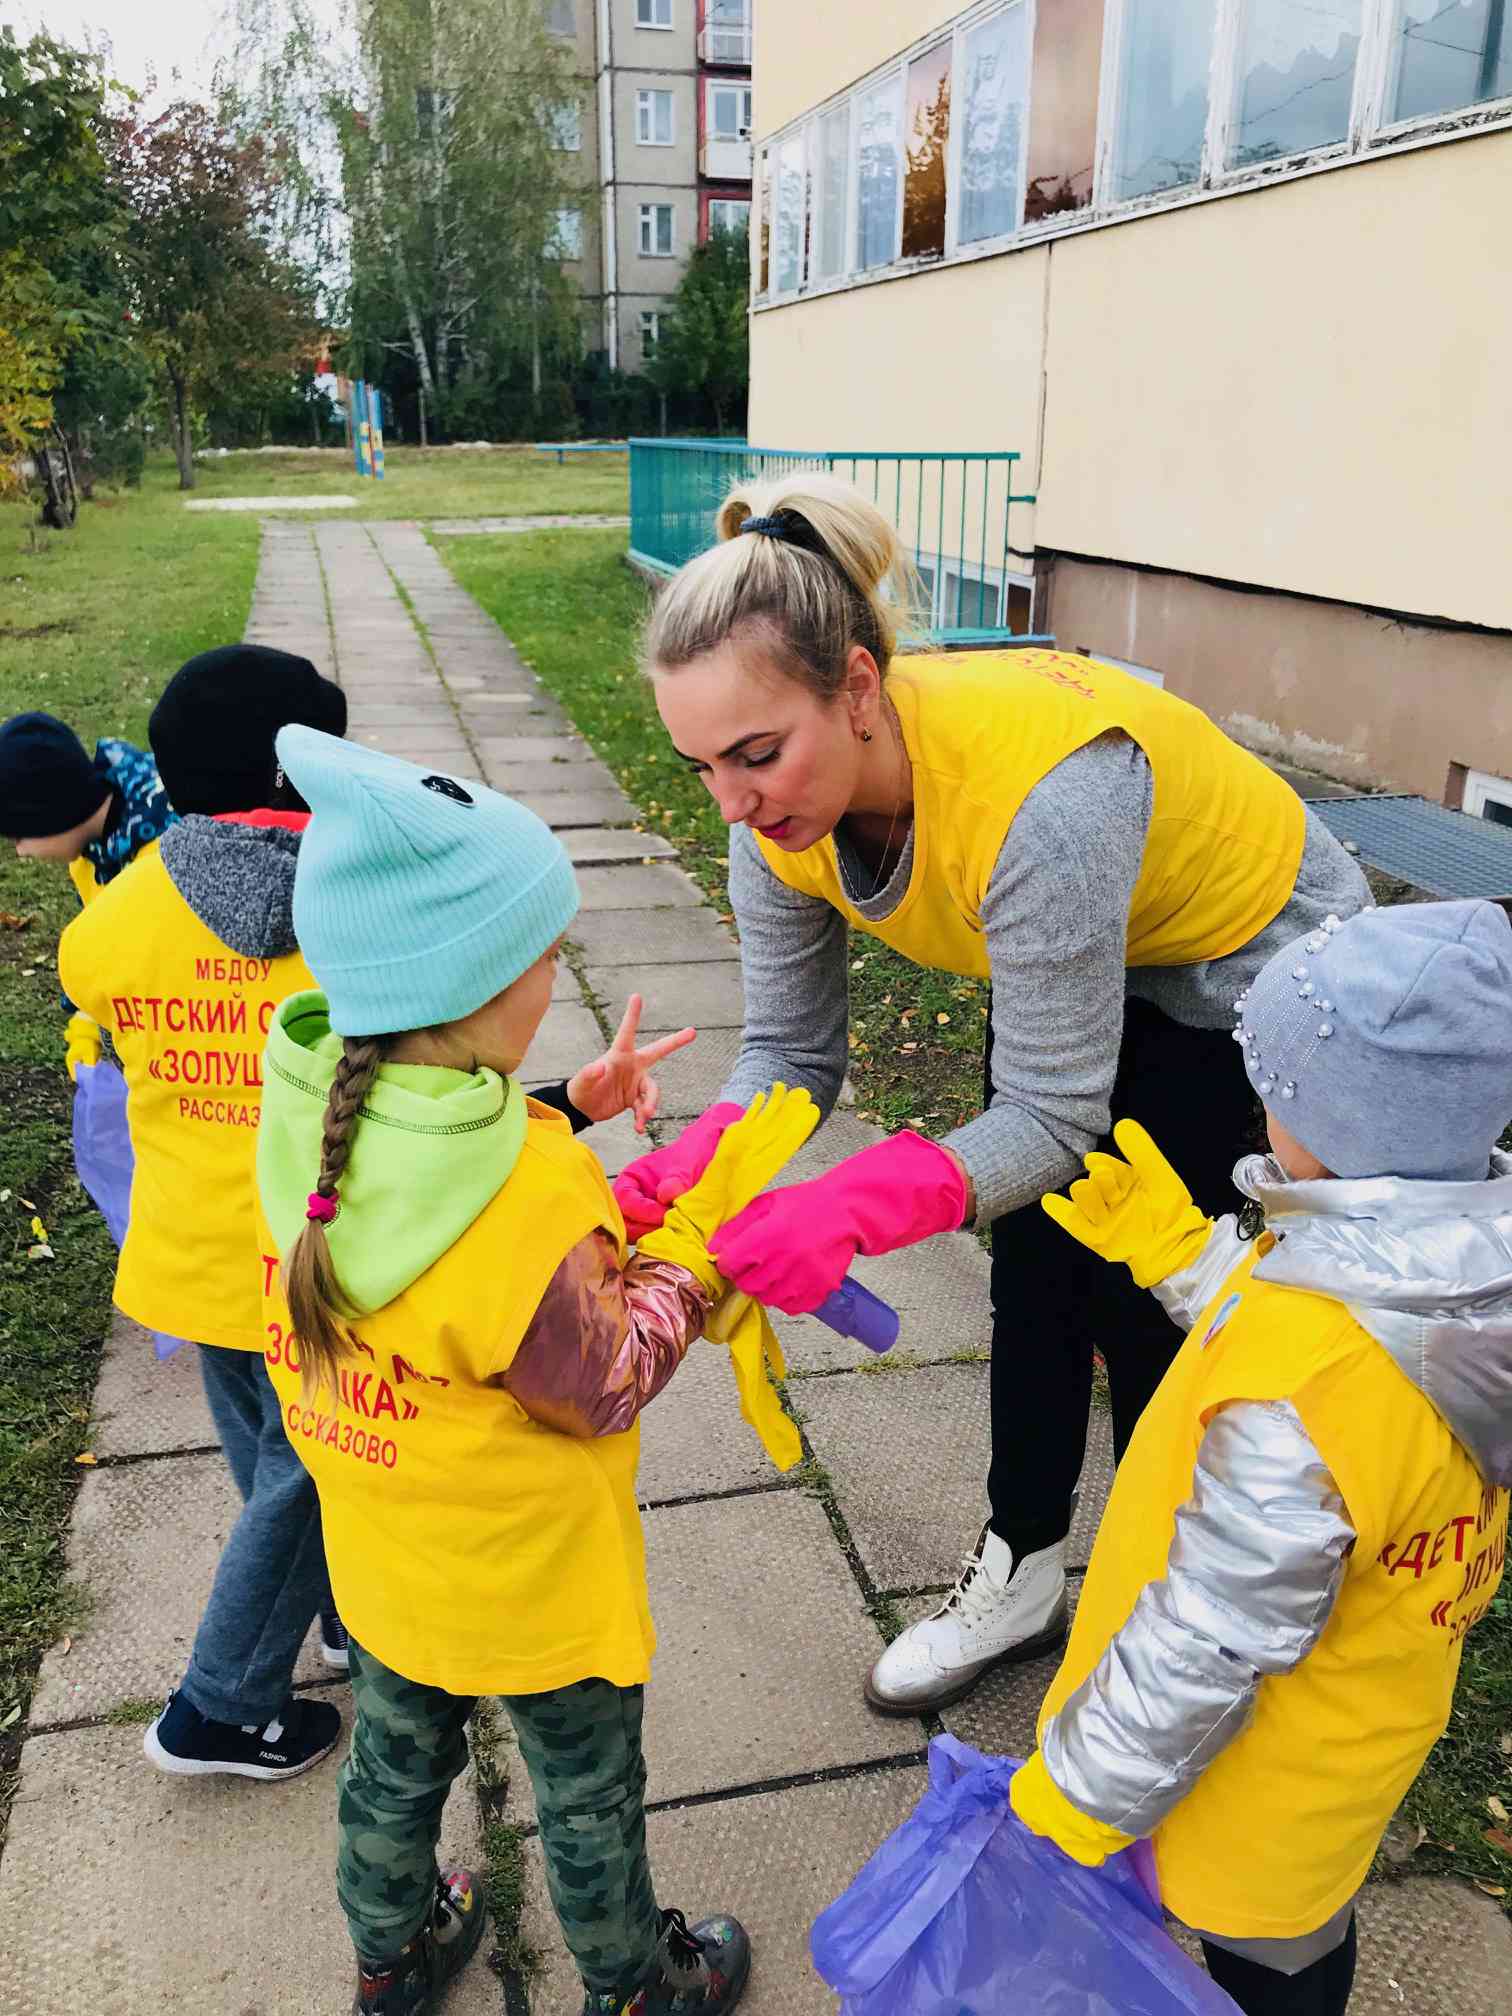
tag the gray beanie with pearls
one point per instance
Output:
(1384, 1044)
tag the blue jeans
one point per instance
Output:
(271, 1579)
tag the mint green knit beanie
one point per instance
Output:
(418, 896)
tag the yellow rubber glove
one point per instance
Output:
(1138, 1210)
(1044, 1809)
(83, 1043)
(750, 1153)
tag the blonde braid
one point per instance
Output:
(318, 1306)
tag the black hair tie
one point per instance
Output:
(774, 528)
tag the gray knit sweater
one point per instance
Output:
(1056, 924)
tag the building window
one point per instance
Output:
(924, 150)
(1295, 78)
(561, 18)
(729, 112)
(832, 193)
(877, 176)
(788, 205)
(566, 127)
(653, 118)
(1163, 96)
(656, 230)
(728, 216)
(567, 234)
(1488, 797)
(727, 33)
(1446, 58)
(650, 331)
(653, 13)
(994, 81)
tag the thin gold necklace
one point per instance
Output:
(897, 733)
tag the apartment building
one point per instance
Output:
(663, 139)
(1235, 278)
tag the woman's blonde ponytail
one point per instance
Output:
(318, 1309)
(830, 573)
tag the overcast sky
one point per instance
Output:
(145, 36)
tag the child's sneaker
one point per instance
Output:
(703, 1969)
(192, 1746)
(333, 1642)
(413, 1983)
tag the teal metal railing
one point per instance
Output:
(953, 511)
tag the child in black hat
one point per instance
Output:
(60, 804)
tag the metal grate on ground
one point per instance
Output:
(1443, 852)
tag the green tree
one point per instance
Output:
(209, 291)
(704, 350)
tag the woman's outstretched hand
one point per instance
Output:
(620, 1081)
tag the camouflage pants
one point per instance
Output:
(582, 1748)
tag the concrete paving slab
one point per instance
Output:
(589, 848)
(762, 1631)
(672, 937)
(692, 1079)
(638, 885)
(1000, 1715)
(210, 1894)
(692, 1437)
(708, 995)
(500, 751)
(615, 1142)
(527, 780)
(774, 1860)
(601, 805)
(566, 986)
(421, 711)
(144, 1541)
(915, 1513)
(568, 1039)
(941, 1298)
(1431, 1947)
(144, 1405)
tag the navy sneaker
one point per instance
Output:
(190, 1745)
(413, 1982)
(333, 1642)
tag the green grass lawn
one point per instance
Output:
(574, 611)
(92, 624)
(418, 482)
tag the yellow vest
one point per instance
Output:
(1225, 837)
(81, 872)
(470, 1548)
(189, 1018)
(1280, 1831)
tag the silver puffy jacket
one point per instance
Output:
(1259, 1551)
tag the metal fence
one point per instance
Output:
(953, 511)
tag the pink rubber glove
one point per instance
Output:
(645, 1187)
(792, 1248)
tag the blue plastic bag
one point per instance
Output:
(104, 1160)
(964, 1912)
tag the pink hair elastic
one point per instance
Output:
(321, 1209)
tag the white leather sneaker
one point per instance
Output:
(998, 1613)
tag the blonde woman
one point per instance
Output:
(1096, 848)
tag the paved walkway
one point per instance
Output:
(770, 1781)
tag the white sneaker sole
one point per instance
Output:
(339, 1662)
(202, 1767)
(1050, 1639)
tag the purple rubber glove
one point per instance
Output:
(645, 1187)
(792, 1248)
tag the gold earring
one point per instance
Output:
(866, 734)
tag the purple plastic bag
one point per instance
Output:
(104, 1160)
(964, 1912)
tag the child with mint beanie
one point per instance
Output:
(418, 896)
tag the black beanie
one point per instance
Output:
(48, 782)
(212, 731)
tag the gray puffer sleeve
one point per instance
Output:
(1250, 1584)
(797, 994)
(1186, 1293)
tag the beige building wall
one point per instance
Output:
(807, 49)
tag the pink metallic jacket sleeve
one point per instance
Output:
(605, 1339)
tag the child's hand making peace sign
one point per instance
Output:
(621, 1079)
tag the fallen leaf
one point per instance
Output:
(1491, 1889)
(88, 1456)
(1498, 1839)
(5, 1196)
(941, 1020)
(66, 1647)
(26, 1204)
(1496, 1809)
(9, 921)
(41, 1251)
(1504, 1741)
(27, 972)
(39, 1230)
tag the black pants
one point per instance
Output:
(1319, 1990)
(1052, 1300)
